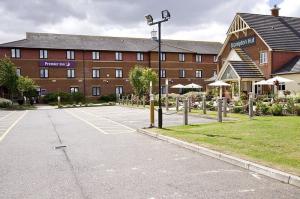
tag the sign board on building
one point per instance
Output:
(58, 64)
(247, 41)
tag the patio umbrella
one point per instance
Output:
(219, 83)
(277, 80)
(263, 82)
(192, 85)
(178, 86)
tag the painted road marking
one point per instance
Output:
(12, 126)
(2, 118)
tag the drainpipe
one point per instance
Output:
(83, 64)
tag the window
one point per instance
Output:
(181, 56)
(215, 58)
(74, 89)
(70, 72)
(18, 72)
(140, 56)
(44, 73)
(96, 73)
(181, 73)
(163, 90)
(199, 73)
(163, 56)
(263, 59)
(119, 73)
(281, 87)
(119, 56)
(15, 53)
(119, 90)
(70, 54)
(198, 58)
(163, 73)
(95, 55)
(95, 91)
(43, 54)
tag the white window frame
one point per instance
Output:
(44, 72)
(198, 58)
(71, 72)
(140, 56)
(70, 54)
(15, 53)
(282, 87)
(182, 73)
(119, 90)
(119, 56)
(163, 56)
(74, 89)
(95, 73)
(43, 54)
(95, 55)
(119, 73)
(96, 91)
(215, 58)
(163, 73)
(181, 57)
(199, 73)
(263, 57)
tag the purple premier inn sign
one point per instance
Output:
(58, 64)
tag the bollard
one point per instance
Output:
(144, 103)
(131, 100)
(177, 104)
(185, 115)
(250, 106)
(127, 100)
(151, 111)
(167, 102)
(220, 110)
(137, 101)
(224, 106)
(204, 104)
(58, 102)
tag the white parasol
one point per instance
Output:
(219, 83)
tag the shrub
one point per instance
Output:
(277, 109)
(290, 106)
(5, 103)
(297, 110)
(65, 98)
(238, 109)
(262, 108)
(77, 97)
(297, 100)
(108, 98)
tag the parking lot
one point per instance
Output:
(96, 153)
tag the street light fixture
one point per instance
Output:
(165, 14)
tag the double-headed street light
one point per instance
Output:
(165, 15)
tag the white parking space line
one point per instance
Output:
(12, 126)
(6, 116)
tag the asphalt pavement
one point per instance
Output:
(96, 153)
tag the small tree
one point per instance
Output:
(26, 86)
(149, 76)
(8, 76)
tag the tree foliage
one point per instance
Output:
(140, 78)
(8, 76)
(26, 86)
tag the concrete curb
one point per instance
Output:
(267, 171)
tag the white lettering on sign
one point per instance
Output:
(243, 42)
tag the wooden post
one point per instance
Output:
(224, 106)
(219, 110)
(204, 104)
(144, 103)
(250, 105)
(151, 111)
(177, 104)
(185, 115)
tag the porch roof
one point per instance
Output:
(246, 69)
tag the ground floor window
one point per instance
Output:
(119, 90)
(163, 89)
(96, 91)
(74, 89)
(281, 87)
(18, 72)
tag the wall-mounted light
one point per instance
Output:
(107, 75)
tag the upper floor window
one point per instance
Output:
(263, 57)
(198, 58)
(70, 72)
(15, 53)
(199, 73)
(43, 54)
(70, 54)
(140, 56)
(44, 73)
(181, 56)
(95, 55)
(119, 56)
(163, 73)
(18, 72)
(74, 89)
(181, 73)
(119, 73)
(163, 56)
(96, 73)
(215, 58)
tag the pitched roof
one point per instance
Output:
(293, 66)
(85, 42)
(280, 33)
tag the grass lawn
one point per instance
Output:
(272, 141)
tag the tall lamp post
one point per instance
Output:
(165, 15)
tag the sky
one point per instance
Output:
(206, 20)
